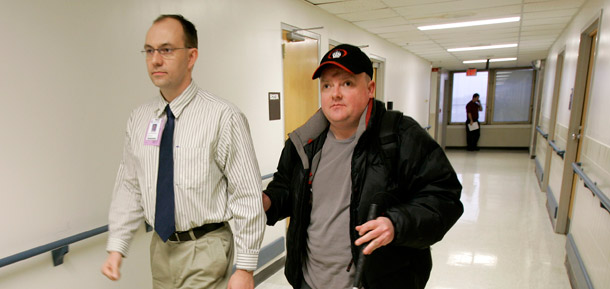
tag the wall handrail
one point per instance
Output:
(544, 135)
(604, 202)
(59, 248)
(558, 151)
(53, 247)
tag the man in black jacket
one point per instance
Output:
(339, 163)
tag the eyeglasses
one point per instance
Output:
(165, 52)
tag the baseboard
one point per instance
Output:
(539, 173)
(551, 205)
(577, 273)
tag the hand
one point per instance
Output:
(379, 232)
(242, 279)
(266, 202)
(112, 267)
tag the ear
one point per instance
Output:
(371, 89)
(193, 54)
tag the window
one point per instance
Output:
(512, 96)
(463, 89)
(509, 101)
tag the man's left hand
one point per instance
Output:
(242, 279)
(379, 232)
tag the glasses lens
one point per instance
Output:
(165, 51)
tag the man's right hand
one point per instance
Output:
(112, 267)
(266, 202)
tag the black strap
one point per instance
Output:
(390, 143)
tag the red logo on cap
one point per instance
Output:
(337, 53)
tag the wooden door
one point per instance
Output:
(301, 93)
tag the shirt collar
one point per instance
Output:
(179, 103)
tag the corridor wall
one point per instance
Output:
(589, 226)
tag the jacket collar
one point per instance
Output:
(318, 124)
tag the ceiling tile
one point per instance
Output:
(551, 20)
(551, 5)
(402, 3)
(394, 28)
(352, 6)
(381, 22)
(550, 14)
(369, 15)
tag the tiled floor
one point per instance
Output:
(504, 239)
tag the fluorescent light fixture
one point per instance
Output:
(491, 60)
(470, 23)
(482, 47)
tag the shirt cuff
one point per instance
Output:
(117, 245)
(246, 261)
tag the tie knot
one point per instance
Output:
(169, 112)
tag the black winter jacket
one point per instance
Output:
(423, 204)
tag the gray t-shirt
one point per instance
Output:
(328, 244)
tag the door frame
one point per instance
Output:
(578, 104)
(537, 103)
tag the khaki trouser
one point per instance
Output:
(203, 263)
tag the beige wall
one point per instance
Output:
(508, 136)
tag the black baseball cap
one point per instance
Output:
(348, 57)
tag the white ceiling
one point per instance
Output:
(542, 21)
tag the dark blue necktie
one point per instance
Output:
(165, 224)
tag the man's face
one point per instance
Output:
(170, 72)
(344, 96)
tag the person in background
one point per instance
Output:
(187, 178)
(473, 132)
(333, 168)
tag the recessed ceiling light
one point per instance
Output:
(469, 23)
(491, 60)
(482, 47)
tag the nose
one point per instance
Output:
(156, 58)
(336, 92)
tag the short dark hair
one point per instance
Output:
(475, 95)
(190, 32)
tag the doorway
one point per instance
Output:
(300, 59)
(552, 163)
(578, 107)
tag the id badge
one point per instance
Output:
(154, 132)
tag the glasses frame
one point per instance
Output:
(165, 52)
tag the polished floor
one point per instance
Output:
(504, 239)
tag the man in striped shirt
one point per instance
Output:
(215, 175)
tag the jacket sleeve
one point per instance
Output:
(279, 189)
(428, 196)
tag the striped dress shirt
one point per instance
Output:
(216, 174)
